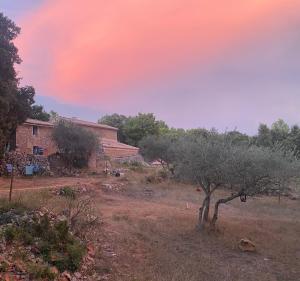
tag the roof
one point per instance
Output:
(89, 124)
(38, 123)
(115, 144)
(74, 120)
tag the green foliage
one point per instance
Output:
(39, 113)
(38, 271)
(133, 129)
(10, 234)
(264, 137)
(279, 131)
(67, 192)
(160, 148)
(15, 102)
(75, 143)
(140, 126)
(54, 242)
(3, 266)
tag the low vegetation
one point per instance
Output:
(75, 143)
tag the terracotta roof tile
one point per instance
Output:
(88, 124)
(115, 144)
(38, 123)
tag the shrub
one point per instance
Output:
(74, 143)
(56, 245)
(38, 271)
(67, 192)
(11, 233)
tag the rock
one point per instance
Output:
(67, 275)
(294, 197)
(246, 245)
(54, 270)
(91, 250)
(62, 218)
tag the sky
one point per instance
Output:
(193, 63)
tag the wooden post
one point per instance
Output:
(11, 183)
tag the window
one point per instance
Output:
(36, 150)
(35, 130)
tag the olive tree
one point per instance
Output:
(215, 161)
(257, 170)
(75, 143)
(159, 148)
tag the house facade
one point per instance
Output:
(35, 137)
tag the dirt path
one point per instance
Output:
(37, 183)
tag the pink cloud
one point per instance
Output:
(90, 51)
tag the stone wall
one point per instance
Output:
(103, 133)
(20, 160)
(25, 140)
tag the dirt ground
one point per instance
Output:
(148, 232)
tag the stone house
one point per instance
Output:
(35, 137)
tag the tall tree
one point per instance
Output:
(39, 113)
(264, 137)
(15, 102)
(279, 131)
(140, 126)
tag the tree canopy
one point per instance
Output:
(132, 129)
(39, 113)
(75, 143)
(15, 102)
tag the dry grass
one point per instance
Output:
(151, 228)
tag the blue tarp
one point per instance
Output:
(9, 168)
(29, 170)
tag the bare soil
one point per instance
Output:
(148, 232)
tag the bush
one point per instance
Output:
(11, 233)
(74, 143)
(67, 192)
(54, 242)
(37, 271)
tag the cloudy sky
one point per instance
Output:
(194, 63)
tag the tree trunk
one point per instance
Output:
(11, 184)
(222, 201)
(204, 212)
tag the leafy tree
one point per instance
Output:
(140, 126)
(239, 138)
(15, 102)
(159, 148)
(214, 161)
(39, 113)
(117, 121)
(54, 116)
(292, 143)
(279, 131)
(75, 143)
(163, 127)
(264, 137)
(258, 170)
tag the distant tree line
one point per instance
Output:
(132, 129)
